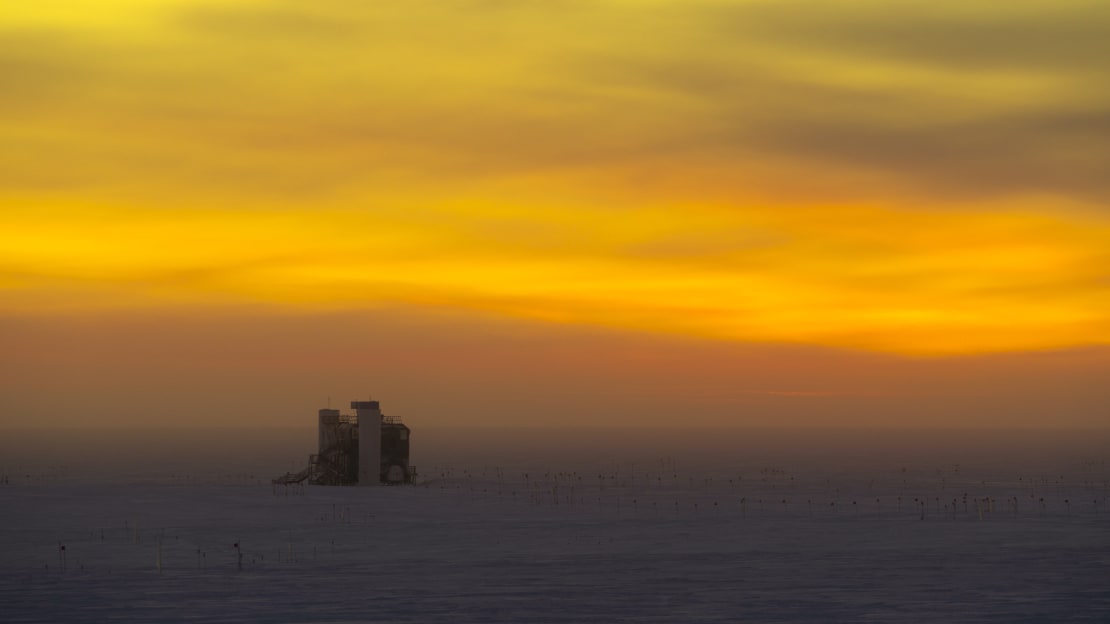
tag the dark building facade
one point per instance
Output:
(364, 448)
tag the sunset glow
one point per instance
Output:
(912, 179)
(920, 282)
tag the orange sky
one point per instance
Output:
(791, 212)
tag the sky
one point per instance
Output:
(651, 212)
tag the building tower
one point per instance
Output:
(369, 416)
(329, 429)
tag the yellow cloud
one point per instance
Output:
(868, 278)
(745, 171)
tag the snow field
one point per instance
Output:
(645, 542)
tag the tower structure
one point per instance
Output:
(329, 429)
(369, 416)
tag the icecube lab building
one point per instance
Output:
(364, 448)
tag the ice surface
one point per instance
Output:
(573, 537)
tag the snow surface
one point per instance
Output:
(602, 542)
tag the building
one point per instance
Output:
(364, 448)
